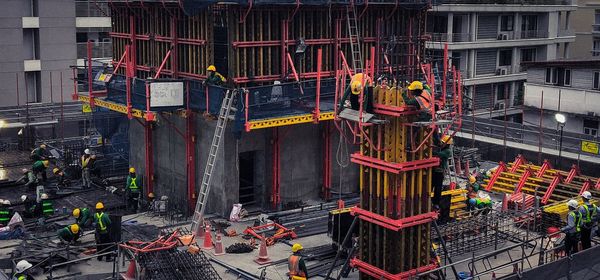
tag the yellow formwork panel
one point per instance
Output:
(289, 120)
(112, 106)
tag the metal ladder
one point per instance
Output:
(357, 62)
(212, 157)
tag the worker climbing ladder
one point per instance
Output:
(212, 157)
(354, 34)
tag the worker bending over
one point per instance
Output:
(21, 271)
(83, 217)
(85, 170)
(69, 234)
(102, 222)
(358, 83)
(443, 152)
(45, 207)
(29, 206)
(61, 178)
(213, 77)
(573, 228)
(422, 99)
(589, 216)
(39, 153)
(133, 190)
(296, 264)
(39, 167)
(29, 179)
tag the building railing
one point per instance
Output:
(566, 32)
(99, 50)
(504, 2)
(91, 9)
(595, 52)
(455, 37)
(533, 34)
(596, 28)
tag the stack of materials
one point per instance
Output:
(44, 253)
(555, 215)
(521, 201)
(175, 264)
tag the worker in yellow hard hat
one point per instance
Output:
(296, 264)
(360, 82)
(61, 178)
(83, 216)
(213, 77)
(133, 189)
(103, 223)
(421, 98)
(39, 167)
(39, 153)
(69, 234)
(443, 152)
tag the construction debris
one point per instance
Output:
(239, 248)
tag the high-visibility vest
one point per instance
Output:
(101, 225)
(577, 216)
(47, 207)
(294, 266)
(590, 214)
(424, 101)
(85, 161)
(133, 185)
(19, 276)
(4, 216)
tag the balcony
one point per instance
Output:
(533, 34)
(566, 33)
(507, 2)
(99, 49)
(455, 37)
(596, 28)
(91, 9)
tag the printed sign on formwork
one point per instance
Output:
(166, 94)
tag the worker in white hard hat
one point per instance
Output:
(589, 215)
(296, 264)
(85, 170)
(22, 271)
(573, 228)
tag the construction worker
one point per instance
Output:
(83, 217)
(213, 77)
(93, 166)
(61, 178)
(21, 271)
(28, 178)
(102, 222)
(39, 167)
(39, 153)
(150, 202)
(85, 171)
(69, 234)
(28, 205)
(355, 87)
(573, 228)
(443, 152)
(296, 264)
(133, 190)
(473, 183)
(5, 212)
(422, 99)
(589, 215)
(479, 203)
(44, 208)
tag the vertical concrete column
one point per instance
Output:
(471, 63)
(567, 52)
(517, 27)
(516, 58)
(450, 26)
(473, 26)
(552, 24)
(567, 20)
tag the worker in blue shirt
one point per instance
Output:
(589, 216)
(573, 228)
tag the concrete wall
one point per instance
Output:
(11, 56)
(581, 21)
(301, 163)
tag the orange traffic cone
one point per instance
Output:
(263, 256)
(207, 239)
(218, 245)
(505, 202)
(130, 274)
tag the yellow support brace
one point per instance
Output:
(113, 106)
(289, 120)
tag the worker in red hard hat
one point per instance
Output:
(589, 217)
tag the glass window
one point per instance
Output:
(548, 75)
(529, 23)
(507, 23)
(590, 127)
(501, 92)
(596, 48)
(567, 75)
(528, 55)
(596, 80)
(505, 58)
(597, 17)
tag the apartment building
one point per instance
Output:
(488, 41)
(41, 39)
(586, 23)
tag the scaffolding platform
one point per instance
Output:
(353, 115)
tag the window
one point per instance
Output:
(528, 55)
(501, 92)
(558, 76)
(590, 127)
(548, 75)
(529, 22)
(567, 77)
(596, 80)
(597, 17)
(596, 48)
(507, 23)
(505, 58)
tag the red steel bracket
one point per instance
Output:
(557, 179)
(597, 186)
(378, 273)
(395, 225)
(523, 180)
(574, 172)
(586, 186)
(395, 111)
(518, 161)
(395, 168)
(282, 232)
(543, 169)
(501, 168)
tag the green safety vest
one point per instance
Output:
(577, 216)
(19, 276)
(101, 225)
(47, 207)
(588, 218)
(4, 216)
(133, 185)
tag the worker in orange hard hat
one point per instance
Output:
(422, 99)
(360, 82)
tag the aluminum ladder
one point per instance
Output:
(357, 62)
(212, 157)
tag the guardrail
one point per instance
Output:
(91, 9)
(99, 49)
(455, 37)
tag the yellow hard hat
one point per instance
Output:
(131, 170)
(446, 139)
(76, 212)
(55, 170)
(46, 163)
(356, 87)
(296, 247)
(151, 195)
(211, 68)
(415, 85)
(472, 179)
(99, 206)
(75, 228)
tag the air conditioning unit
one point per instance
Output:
(503, 36)
(501, 71)
(499, 106)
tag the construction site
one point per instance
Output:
(281, 139)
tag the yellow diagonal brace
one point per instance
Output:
(288, 120)
(112, 106)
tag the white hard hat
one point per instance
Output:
(22, 266)
(44, 196)
(6, 202)
(573, 203)
(86, 151)
(586, 195)
(23, 197)
(24, 170)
